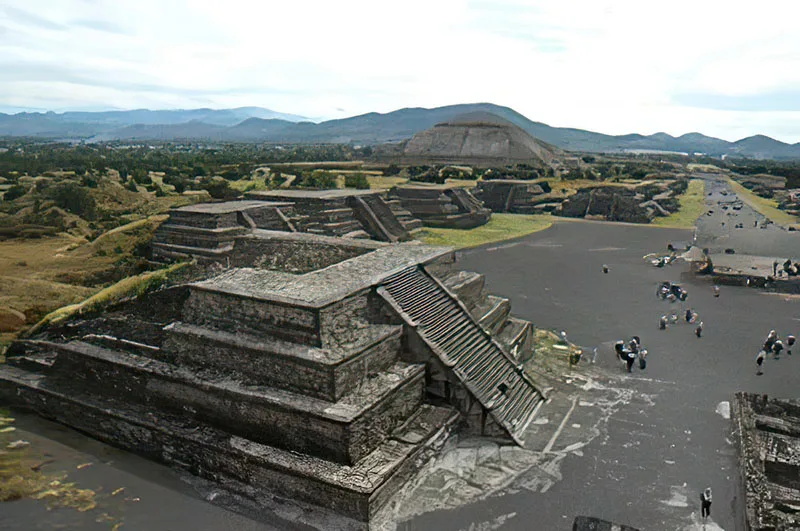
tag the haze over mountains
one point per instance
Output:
(255, 124)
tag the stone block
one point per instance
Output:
(343, 432)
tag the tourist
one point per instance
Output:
(688, 315)
(605, 268)
(760, 360)
(715, 289)
(631, 357)
(594, 354)
(705, 502)
(771, 338)
(662, 323)
(622, 353)
(789, 342)
(643, 359)
(563, 336)
(699, 330)
(777, 347)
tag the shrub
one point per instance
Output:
(74, 198)
(14, 192)
(356, 180)
(317, 179)
(218, 188)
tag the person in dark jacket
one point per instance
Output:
(771, 338)
(705, 503)
(789, 343)
(699, 330)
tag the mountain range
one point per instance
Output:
(256, 124)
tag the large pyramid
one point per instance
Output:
(479, 139)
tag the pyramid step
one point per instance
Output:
(492, 313)
(327, 374)
(343, 431)
(356, 492)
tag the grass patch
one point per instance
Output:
(767, 207)
(500, 227)
(707, 168)
(384, 183)
(692, 207)
(125, 288)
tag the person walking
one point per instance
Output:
(715, 290)
(662, 323)
(771, 338)
(789, 343)
(643, 358)
(605, 268)
(705, 503)
(699, 330)
(688, 315)
(760, 361)
(776, 349)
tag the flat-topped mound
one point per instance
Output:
(309, 194)
(321, 287)
(229, 206)
(479, 139)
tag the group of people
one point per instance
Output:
(628, 354)
(690, 316)
(773, 345)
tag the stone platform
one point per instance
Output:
(350, 213)
(441, 206)
(315, 382)
(515, 196)
(767, 433)
(756, 271)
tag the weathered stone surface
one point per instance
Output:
(343, 431)
(768, 441)
(478, 139)
(505, 195)
(355, 491)
(321, 373)
(442, 206)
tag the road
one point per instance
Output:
(663, 447)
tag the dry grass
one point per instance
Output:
(20, 476)
(125, 288)
(500, 227)
(41, 275)
(707, 168)
(767, 207)
(692, 206)
(384, 183)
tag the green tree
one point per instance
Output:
(356, 180)
(74, 198)
(15, 192)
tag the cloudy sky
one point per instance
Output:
(725, 68)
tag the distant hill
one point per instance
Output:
(73, 125)
(255, 124)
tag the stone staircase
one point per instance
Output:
(405, 217)
(489, 374)
(439, 206)
(492, 313)
(378, 218)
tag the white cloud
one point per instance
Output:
(611, 66)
